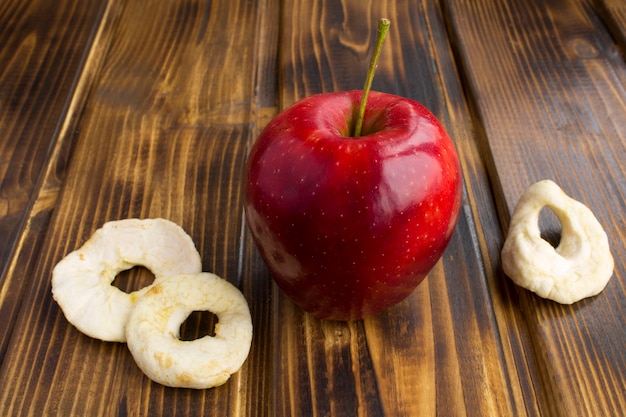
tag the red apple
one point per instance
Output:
(350, 226)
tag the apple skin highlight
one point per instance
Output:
(350, 226)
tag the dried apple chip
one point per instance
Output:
(579, 267)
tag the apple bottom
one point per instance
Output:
(349, 282)
(314, 297)
(344, 278)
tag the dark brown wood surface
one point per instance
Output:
(124, 108)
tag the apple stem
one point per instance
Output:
(383, 28)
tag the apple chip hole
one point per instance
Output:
(550, 226)
(197, 325)
(133, 279)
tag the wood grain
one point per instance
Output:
(614, 14)
(148, 108)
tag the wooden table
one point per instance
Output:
(126, 108)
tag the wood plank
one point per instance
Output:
(440, 350)
(164, 134)
(547, 87)
(484, 227)
(43, 79)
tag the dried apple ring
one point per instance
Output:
(153, 338)
(81, 282)
(579, 267)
